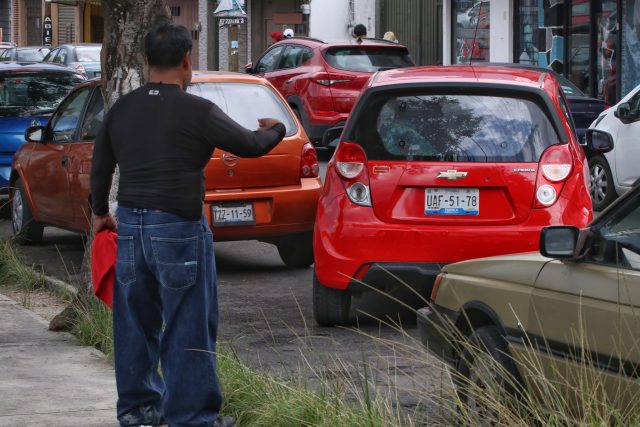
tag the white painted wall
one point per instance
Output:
(331, 20)
(501, 34)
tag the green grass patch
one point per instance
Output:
(94, 324)
(15, 273)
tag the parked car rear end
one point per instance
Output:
(321, 81)
(438, 165)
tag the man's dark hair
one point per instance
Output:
(166, 44)
(359, 30)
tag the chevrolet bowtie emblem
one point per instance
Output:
(230, 160)
(451, 175)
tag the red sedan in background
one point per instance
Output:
(443, 164)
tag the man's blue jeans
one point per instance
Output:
(165, 313)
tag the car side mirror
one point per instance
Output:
(249, 68)
(599, 141)
(34, 134)
(559, 241)
(331, 136)
(623, 112)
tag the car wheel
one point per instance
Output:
(603, 192)
(485, 358)
(330, 306)
(25, 229)
(296, 251)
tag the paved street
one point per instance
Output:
(266, 315)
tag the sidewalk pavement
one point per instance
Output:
(47, 378)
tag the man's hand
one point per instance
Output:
(101, 222)
(266, 124)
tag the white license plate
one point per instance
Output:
(232, 214)
(452, 201)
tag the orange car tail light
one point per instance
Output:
(351, 163)
(436, 287)
(309, 162)
(556, 164)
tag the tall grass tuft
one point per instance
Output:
(15, 273)
(94, 325)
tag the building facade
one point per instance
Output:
(594, 43)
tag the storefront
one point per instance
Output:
(595, 43)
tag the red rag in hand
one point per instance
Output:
(103, 265)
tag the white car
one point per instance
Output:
(615, 172)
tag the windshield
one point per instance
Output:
(88, 54)
(452, 127)
(368, 59)
(28, 92)
(35, 55)
(246, 103)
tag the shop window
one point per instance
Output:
(175, 11)
(471, 31)
(540, 34)
(579, 57)
(630, 72)
(607, 50)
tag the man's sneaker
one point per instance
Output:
(224, 422)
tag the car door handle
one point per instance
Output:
(65, 161)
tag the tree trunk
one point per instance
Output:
(123, 69)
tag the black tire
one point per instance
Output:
(487, 341)
(296, 251)
(26, 230)
(602, 190)
(330, 306)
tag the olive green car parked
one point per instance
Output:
(575, 306)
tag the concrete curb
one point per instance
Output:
(56, 285)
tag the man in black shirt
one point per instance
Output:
(165, 308)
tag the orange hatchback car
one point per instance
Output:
(272, 198)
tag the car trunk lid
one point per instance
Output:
(279, 167)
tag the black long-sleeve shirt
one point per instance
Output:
(161, 138)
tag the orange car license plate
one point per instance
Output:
(232, 214)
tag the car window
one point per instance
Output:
(307, 54)
(61, 57)
(35, 55)
(65, 122)
(367, 58)
(88, 54)
(269, 61)
(292, 56)
(49, 57)
(567, 112)
(453, 127)
(634, 103)
(4, 55)
(93, 117)
(617, 241)
(569, 88)
(232, 99)
(22, 92)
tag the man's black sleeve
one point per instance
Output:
(102, 167)
(224, 133)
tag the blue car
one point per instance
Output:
(29, 92)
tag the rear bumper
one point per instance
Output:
(347, 237)
(433, 324)
(316, 126)
(278, 211)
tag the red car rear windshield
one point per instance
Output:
(367, 58)
(455, 128)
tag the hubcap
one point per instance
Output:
(16, 211)
(598, 183)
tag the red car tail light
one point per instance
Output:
(555, 166)
(329, 79)
(436, 286)
(80, 68)
(309, 162)
(351, 162)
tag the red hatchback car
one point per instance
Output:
(321, 81)
(443, 164)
